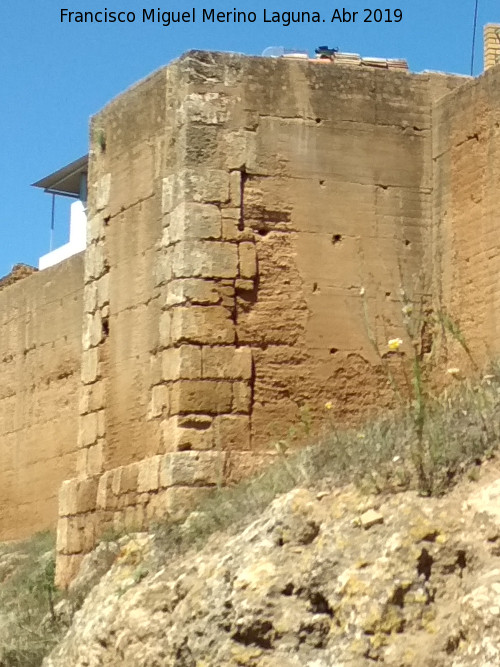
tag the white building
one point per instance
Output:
(70, 181)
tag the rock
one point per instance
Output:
(302, 585)
(370, 518)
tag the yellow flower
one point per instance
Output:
(328, 405)
(394, 344)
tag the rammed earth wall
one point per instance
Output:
(40, 351)
(237, 209)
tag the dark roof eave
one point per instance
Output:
(65, 181)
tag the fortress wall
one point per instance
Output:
(335, 182)
(237, 207)
(466, 156)
(40, 338)
(252, 223)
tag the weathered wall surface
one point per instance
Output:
(237, 208)
(466, 156)
(40, 341)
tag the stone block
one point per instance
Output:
(204, 185)
(229, 363)
(242, 465)
(192, 468)
(90, 297)
(167, 193)
(244, 285)
(235, 188)
(182, 362)
(92, 397)
(90, 365)
(160, 401)
(132, 518)
(205, 259)
(155, 369)
(210, 325)
(200, 185)
(239, 148)
(103, 290)
(125, 479)
(180, 500)
(165, 328)
(231, 213)
(67, 567)
(248, 259)
(88, 532)
(200, 396)
(190, 221)
(209, 108)
(95, 228)
(184, 433)
(92, 330)
(166, 237)
(95, 458)
(87, 433)
(130, 498)
(192, 290)
(81, 463)
(156, 506)
(232, 432)
(95, 262)
(148, 479)
(242, 397)
(163, 266)
(143, 498)
(230, 229)
(106, 498)
(63, 536)
(77, 496)
(102, 190)
(118, 521)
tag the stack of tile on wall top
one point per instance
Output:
(355, 60)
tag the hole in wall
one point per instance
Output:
(322, 182)
(334, 350)
(318, 120)
(336, 239)
(407, 243)
(105, 327)
(387, 295)
(263, 232)
(315, 288)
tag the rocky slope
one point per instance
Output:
(324, 577)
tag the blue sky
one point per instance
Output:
(54, 76)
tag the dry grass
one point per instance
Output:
(459, 431)
(29, 627)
